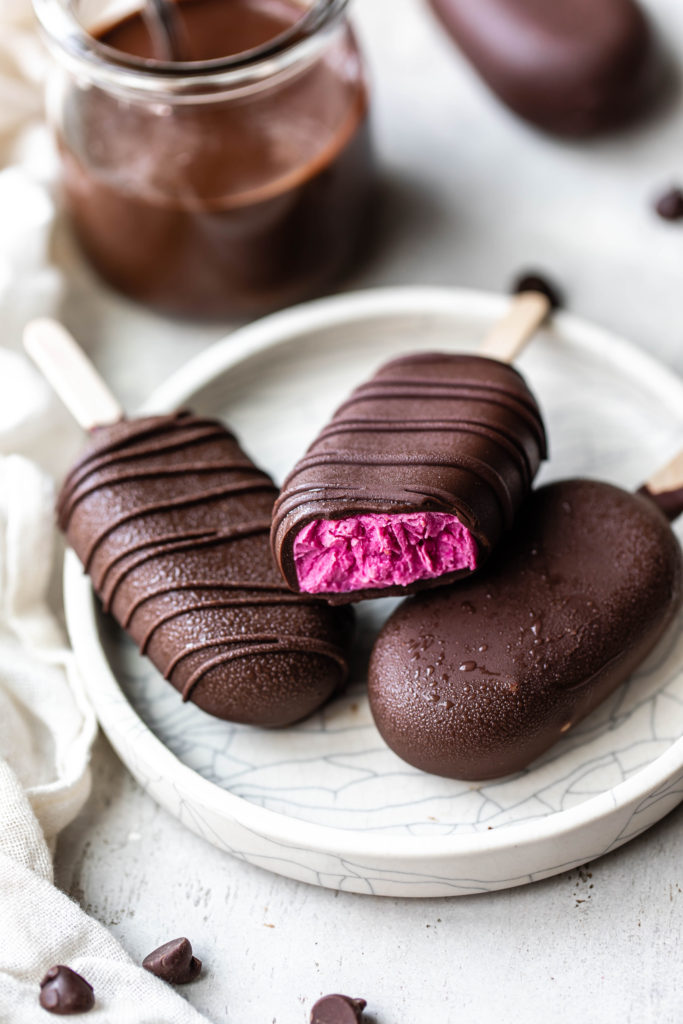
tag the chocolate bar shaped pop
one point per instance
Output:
(170, 519)
(475, 681)
(413, 481)
(572, 67)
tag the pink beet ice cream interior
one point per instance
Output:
(367, 551)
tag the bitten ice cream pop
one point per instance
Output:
(170, 519)
(415, 478)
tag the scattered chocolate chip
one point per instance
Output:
(670, 205)
(63, 991)
(336, 1009)
(173, 962)
(532, 282)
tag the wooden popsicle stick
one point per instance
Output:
(668, 478)
(665, 488)
(507, 338)
(71, 374)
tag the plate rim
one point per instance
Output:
(278, 329)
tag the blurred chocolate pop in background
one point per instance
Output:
(571, 67)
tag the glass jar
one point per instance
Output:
(216, 187)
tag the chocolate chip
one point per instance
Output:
(336, 1009)
(63, 991)
(173, 962)
(670, 205)
(532, 282)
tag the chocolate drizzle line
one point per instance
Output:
(432, 390)
(171, 520)
(476, 466)
(280, 596)
(424, 427)
(453, 433)
(245, 646)
(236, 602)
(112, 461)
(127, 476)
(240, 487)
(145, 430)
(296, 644)
(172, 546)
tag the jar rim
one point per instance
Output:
(83, 51)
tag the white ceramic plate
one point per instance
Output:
(326, 802)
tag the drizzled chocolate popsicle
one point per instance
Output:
(475, 681)
(412, 482)
(170, 519)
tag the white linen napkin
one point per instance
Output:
(46, 723)
(46, 730)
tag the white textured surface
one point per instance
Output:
(471, 197)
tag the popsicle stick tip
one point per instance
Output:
(668, 477)
(665, 487)
(507, 338)
(42, 331)
(66, 367)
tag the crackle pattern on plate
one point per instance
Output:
(334, 769)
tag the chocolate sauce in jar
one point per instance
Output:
(231, 201)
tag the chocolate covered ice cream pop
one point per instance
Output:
(572, 67)
(170, 519)
(418, 473)
(477, 680)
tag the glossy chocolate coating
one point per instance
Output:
(572, 67)
(430, 432)
(475, 681)
(170, 519)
